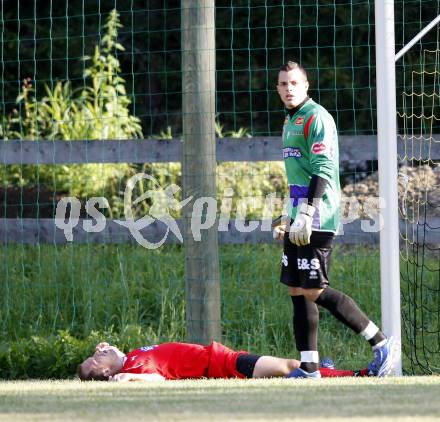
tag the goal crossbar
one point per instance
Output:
(418, 37)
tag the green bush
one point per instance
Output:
(98, 110)
(57, 356)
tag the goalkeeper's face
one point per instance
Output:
(106, 361)
(292, 87)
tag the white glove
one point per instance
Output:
(301, 229)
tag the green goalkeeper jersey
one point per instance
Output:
(310, 146)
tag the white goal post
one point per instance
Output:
(387, 162)
(387, 157)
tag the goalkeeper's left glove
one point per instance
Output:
(301, 229)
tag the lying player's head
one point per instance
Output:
(292, 84)
(105, 362)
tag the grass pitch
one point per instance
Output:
(406, 398)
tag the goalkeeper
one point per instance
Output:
(311, 157)
(173, 361)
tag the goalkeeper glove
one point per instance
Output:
(301, 229)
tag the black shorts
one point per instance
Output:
(246, 364)
(307, 266)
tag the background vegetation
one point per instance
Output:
(79, 70)
(54, 313)
(58, 302)
(335, 40)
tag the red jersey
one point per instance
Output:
(182, 360)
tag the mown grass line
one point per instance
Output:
(410, 399)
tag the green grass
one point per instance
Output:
(134, 296)
(94, 287)
(408, 399)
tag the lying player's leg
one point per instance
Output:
(269, 366)
(338, 373)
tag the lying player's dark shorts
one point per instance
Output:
(307, 266)
(246, 364)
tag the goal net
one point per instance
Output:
(419, 204)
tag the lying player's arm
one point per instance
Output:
(126, 376)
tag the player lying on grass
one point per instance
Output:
(173, 361)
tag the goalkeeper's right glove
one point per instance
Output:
(301, 229)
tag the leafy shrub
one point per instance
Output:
(98, 110)
(58, 356)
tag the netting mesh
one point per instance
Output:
(419, 183)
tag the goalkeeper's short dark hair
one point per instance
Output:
(290, 65)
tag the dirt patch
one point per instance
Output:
(418, 190)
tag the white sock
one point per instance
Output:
(370, 331)
(310, 356)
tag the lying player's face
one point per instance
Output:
(292, 87)
(107, 360)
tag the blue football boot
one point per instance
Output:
(384, 358)
(327, 363)
(372, 369)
